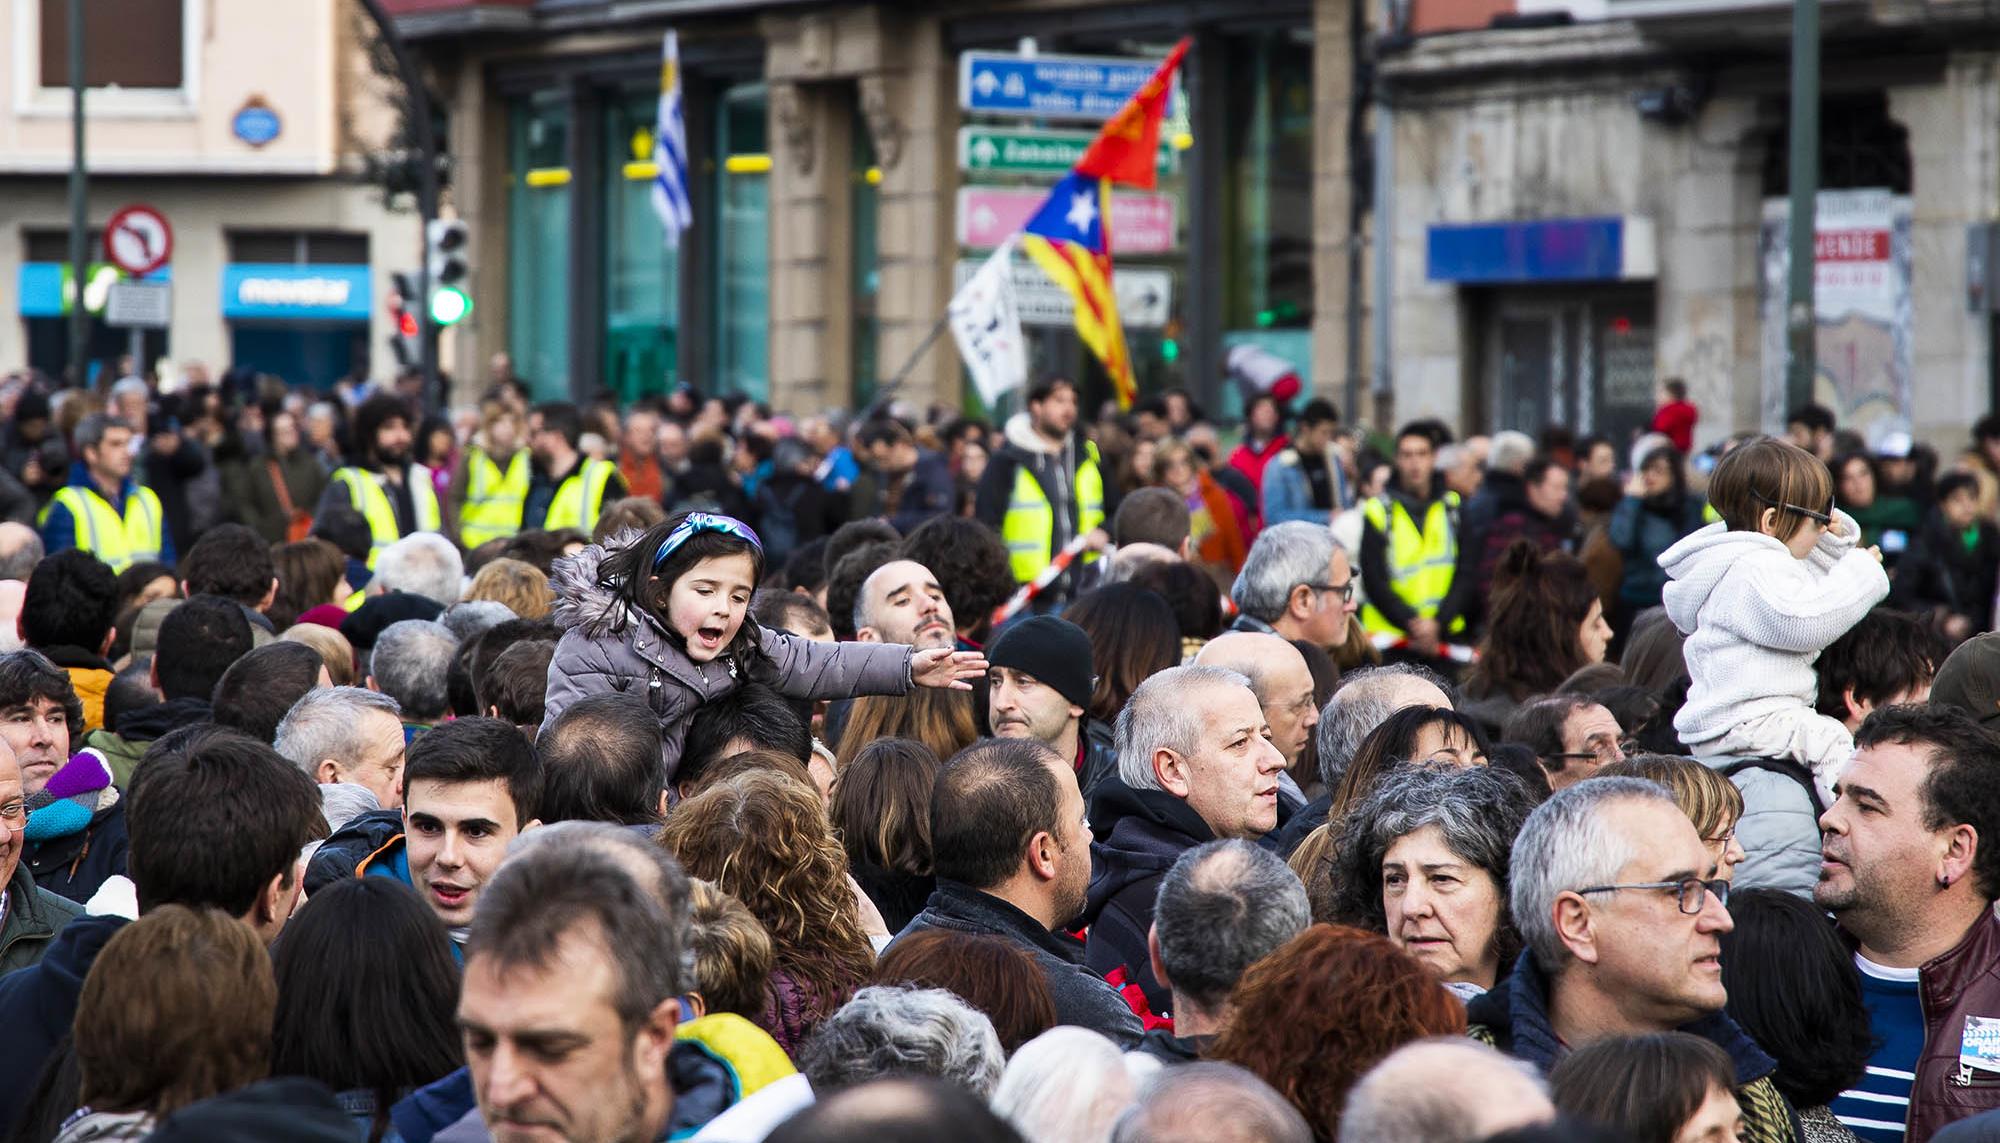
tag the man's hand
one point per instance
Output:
(1099, 540)
(945, 668)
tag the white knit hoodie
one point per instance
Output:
(1757, 618)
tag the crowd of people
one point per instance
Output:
(545, 771)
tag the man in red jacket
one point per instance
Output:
(1676, 415)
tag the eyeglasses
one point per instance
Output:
(1692, 893)
(1725, 838)
(1824, 519)
(1345, 591)
(704, 522)
(1604, 750)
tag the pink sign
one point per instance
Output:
(1140, 223)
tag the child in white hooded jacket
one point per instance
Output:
(1759, 595)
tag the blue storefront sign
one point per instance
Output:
(257, 291)
(43, 287)
(1543, 250)
(1050, 87)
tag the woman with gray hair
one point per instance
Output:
(1424, 859)
(1070, 1085)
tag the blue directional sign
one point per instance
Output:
(1050, 87)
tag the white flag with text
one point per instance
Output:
(986, 323)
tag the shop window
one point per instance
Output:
(742, 237)
(538, 250)
(1860, 147)
(642, 273)
(123, 43)
(298, 247)
(53, 245)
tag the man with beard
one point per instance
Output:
(902, 602)
(1046, 485)
(396, 495)
(911, 484)
(1012, 855)
(1040, 680)
(1909, 869)
(565, 488)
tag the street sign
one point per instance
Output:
(1141, 222)
(1145, 294)
(139, 305)
(1051, 87)
(138, 240)
(1014, 151)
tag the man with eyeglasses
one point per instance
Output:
(1570, 734)
(1621, 909)
(1296, 583)
(1909, 867)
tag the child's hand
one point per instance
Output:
(1876, 551)
(940, 667)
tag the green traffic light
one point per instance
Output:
(1170, 350)
(450, 305)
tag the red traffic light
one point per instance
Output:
(406, 323)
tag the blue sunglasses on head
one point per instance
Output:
(703, 522)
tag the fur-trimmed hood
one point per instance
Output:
(585, 604)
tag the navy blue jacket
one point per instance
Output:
(38, 1005)
(76, 865)
(1140, 834)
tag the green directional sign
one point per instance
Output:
(1003, 151)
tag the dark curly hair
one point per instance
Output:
(1313, 1017)
(970, 563)
(632, 573)
(1534, 637)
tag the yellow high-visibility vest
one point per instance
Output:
(120, 541)
(493, 499)
(1421, 560)
(580, 499)
(370, 499)
(1028, 529)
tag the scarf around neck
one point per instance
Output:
(75, 794)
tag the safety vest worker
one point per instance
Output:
(1045, 486)
(365, 492)
(579, 500)
(125, 527)
(493, 497)
(1409, 544)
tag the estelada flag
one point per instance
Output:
(1126, 150)
(1069, 238)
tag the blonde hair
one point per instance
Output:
(732, 951)
(1711, 801)
(333, 648)
(1768, 473)
(519, 585)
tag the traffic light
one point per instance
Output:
(446, 242)
(403, 318)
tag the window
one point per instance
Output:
(743, 262)
(641, 272)
(538, 249)
(53, 245)
(127, 43)
(298, 247)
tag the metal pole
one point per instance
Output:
(427, 192)
(79, 206)
(1800, 326)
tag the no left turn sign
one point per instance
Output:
(138, 240)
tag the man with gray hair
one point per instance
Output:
(1296, 583)
(1210, 1102)
(421, 563)
(347, 736)
(1195, 763)
(573, 945)
(1401, 1101)
(1223, 907)
(1621, 907)
(1361, 701)
(410, 663)
(896, 1030)
(20, 550)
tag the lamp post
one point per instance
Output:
(79, 205)
(1800, 324)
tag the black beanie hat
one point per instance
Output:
(1053, 650)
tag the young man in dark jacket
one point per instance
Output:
(1046, 485)
(77, 818)
(1173, 793)
(1013, 861)
(911, 484)
(1950, 572)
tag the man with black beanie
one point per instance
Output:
(1039, 672)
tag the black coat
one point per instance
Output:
(76, 865)
(1140, 834)
(1940, 571)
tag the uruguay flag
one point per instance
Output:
(670, 180)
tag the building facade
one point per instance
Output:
(243, 124)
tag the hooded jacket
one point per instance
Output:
(38, 1004)
(1140, 834)
(33, 917)
(1052, 466)
(605, 647)
(125, 744)
(89, 675)
(1756, 620)
(1082, 997)
(1514, 1017)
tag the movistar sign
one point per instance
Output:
(273, 291)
